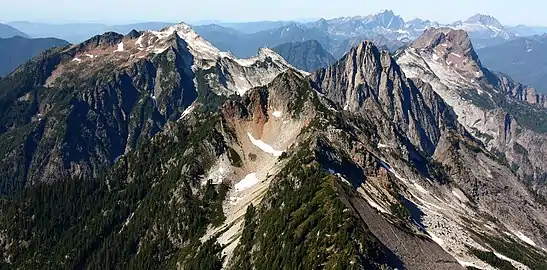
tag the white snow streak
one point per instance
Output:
(90, 55)
(187, 112)
(466, 264)
(247, 182)
(277, 114)
(381, 145)
(264, 146)
(524, 238)
(77, 60)
(517, 264)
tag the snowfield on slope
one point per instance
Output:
(264, 146)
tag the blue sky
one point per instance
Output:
(121, 11)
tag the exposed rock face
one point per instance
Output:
(368, 81)
(505, 115)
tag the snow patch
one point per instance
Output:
(264, 146)
(381, 145)
(187, 112)
(469, 264)
(247, 182)
(524, 238)
(120, 47)
(517, 264)
(90, 55)
(198, 45)
(457, 55)
(77, 60)
(277, 114)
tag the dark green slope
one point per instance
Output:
(130, 218)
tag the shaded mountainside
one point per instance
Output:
(249, 164)
(7, 31)
(307, 56)
(523, 59)
(17, 50)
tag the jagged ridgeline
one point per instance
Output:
(155, 150)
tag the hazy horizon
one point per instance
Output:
(126, 12)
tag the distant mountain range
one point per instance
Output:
(337, 35)
(524, 59)
(15, 51)
(7, 31)
(246, 45)
(78, 32)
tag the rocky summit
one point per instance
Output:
(157, 150)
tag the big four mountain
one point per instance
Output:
(157, 149)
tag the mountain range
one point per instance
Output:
(17, 50)
(157, 150)
(78, 32)
(524, 59)
(7, 31)
(338, 35)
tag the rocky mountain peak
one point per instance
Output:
(133, 34)
(368, 81)
(388, 19)
(104, 40)
(484, 20)
(450, 46)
